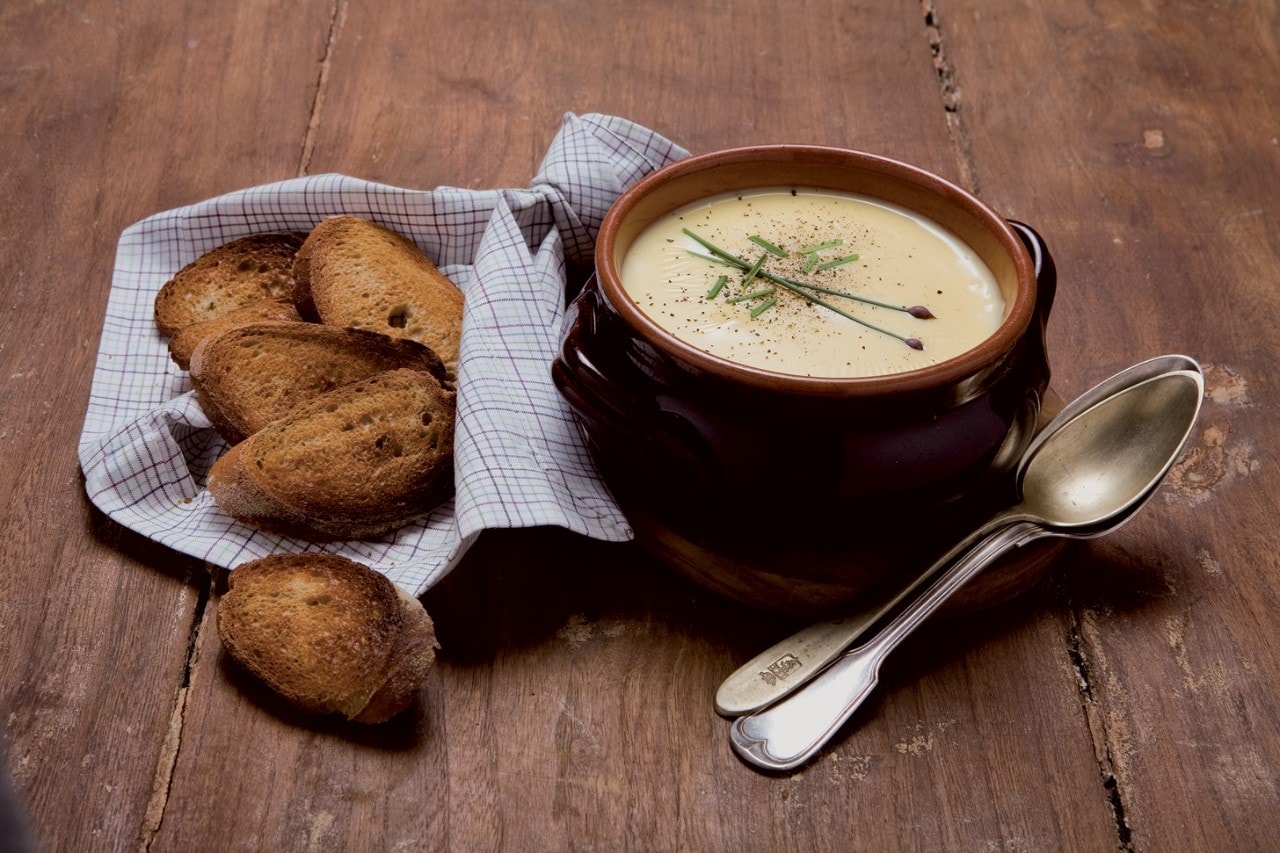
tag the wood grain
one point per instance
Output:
(1127, 702)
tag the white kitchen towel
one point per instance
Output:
(146, 446)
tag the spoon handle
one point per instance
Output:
(790, 663)
(789, 732)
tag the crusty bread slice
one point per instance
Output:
(354, 463)
(259, 266)
(355, 273)
(184, 341)
(250, 375)
(328, 634)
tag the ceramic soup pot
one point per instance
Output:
(745, 460)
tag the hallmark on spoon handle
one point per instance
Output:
(785, 665)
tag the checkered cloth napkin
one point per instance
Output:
(147, 447)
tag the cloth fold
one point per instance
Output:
(146, 446)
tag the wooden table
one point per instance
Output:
(1128, 701)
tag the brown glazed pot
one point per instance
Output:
(825, 485)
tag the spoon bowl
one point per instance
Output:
(1108, 457)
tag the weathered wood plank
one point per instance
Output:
(1141, 139)
(110, 113)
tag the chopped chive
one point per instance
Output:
(755, 270)
(801, 289)
(818, 247)
(768, 291)
(837, 262)
(715, 288)
(810, 261)
(767, 246)
(763, 307)
(721, 261)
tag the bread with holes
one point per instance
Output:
(236, 273)
(355, 273)
(330, 635)
(353, 463)
(185, 340)
(250, 375)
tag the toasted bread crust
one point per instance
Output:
(185, 340)
(328, 634)
(355, 273)
(259, 266)
(355, 462)
(411, 659)
(250, 375)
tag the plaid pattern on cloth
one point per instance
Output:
(146, 446)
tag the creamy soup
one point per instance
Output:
(829, 246)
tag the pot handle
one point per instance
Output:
(1046, 272)
(642, 434)
(1046, 288)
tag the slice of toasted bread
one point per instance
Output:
(355, 273)
(328, 634)
(259, 266)
(250, 375)
(354, 463)
(184, 341)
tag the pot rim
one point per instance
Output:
(980, 358)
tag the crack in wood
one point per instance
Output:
(949, 89)
(1124, 835)
(1096, 723)
(942, 68)
(168, 760)
(336, 21)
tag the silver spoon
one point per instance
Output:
(1089, 478)
(788, 664)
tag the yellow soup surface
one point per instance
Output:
(902, 259)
